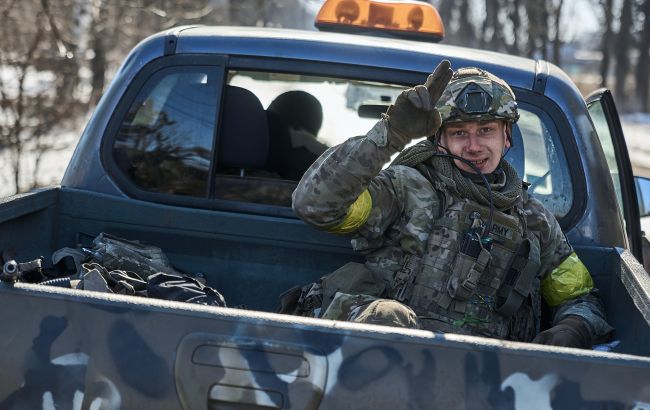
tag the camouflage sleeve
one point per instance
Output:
(566, 284)
(335, 193)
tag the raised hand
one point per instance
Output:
(414, 114)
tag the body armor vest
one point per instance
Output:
(490, 290)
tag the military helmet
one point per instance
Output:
(476, 95)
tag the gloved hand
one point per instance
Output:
(570, 332)
(414, 114)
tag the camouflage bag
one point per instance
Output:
(312, 299)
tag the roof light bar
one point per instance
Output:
(411, 19)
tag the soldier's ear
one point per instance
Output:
(507, 129)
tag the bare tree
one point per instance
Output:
(537, 28)
(34, 100)
(622, 50)
(98, 37)
(643, 63)
(514, 14)
(557, 18)
(445, 9)
(492, 37)
(466, 33)
(607, 38)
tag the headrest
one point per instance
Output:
(244, 140)
(299, 109)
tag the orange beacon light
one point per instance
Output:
(411, 19)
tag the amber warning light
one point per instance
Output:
(411, 19)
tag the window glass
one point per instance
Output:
(308, 114)
(165, 142)
(607, 142)
(542, 162)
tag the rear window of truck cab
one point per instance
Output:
(247, 136)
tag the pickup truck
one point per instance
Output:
(196, 147)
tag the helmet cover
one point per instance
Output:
(477, 95)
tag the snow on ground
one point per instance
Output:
(51, 168)
(636, 128)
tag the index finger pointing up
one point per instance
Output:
(438, 80)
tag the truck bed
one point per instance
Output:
(91, 342)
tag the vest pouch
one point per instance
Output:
(520, 278)
(465, 275)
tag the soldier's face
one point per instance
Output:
(481, 143)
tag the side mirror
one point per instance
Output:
(643, 195)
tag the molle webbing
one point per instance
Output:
(423, 282)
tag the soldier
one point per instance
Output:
(448, 230)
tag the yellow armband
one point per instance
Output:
(568, 281)
(357, 215)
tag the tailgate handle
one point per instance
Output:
(217, 371)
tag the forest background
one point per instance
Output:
(57, 56)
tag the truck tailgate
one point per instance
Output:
(71, 348)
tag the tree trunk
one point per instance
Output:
(621, 51)
(643, 64)
(557, 42)
(492, 36)
(466, 34)
(543, 24)
(98, 33)
(514, 17)
(606, 41)
(534, 19)
(445, 10)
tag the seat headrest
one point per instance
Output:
(299, 109)
(244, 140)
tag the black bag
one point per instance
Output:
(183, 289)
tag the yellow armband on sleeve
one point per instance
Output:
(357, 215)
(567, 281)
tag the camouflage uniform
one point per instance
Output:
(394, 214)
